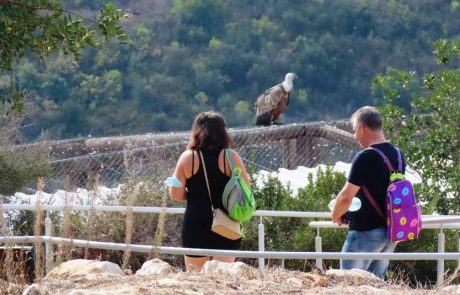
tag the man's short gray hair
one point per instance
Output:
(369, 116)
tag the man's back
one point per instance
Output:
(369, 170)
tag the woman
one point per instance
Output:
(210, 137)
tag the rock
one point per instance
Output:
(453, 289)
(168, 282)
(82, 267)
(354, 277)
(239, 269)
(294, 283)
(155, 267)
(127, 290)
(31, 290)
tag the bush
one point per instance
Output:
(134, 228)
(424, 271)
(294, 234)
(18, 168)
(428, 132)
(19, 165)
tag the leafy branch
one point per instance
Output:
(43, 27)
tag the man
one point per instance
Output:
(367, 230)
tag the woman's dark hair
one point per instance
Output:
(208, 131)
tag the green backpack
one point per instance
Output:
(237, 198)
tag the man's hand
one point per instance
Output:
(343, 202)
(341, 220)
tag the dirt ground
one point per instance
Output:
(271, 281)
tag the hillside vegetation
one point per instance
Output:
(183, 57)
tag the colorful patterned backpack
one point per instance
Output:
(403, 214)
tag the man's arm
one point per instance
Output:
(343, 202)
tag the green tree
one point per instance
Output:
(203, 19)
(429, 133)
(43, 27)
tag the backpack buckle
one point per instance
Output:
(237, 171)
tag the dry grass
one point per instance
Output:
(38, 229)
(63, 252)
(270, 281)
(158, 238)
(129, 226)
(89, 234)
(6, 272)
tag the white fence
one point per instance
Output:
(429, 222)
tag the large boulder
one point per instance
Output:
(155, 267)
(82, 267)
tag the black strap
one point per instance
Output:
(371, 200)
(223, 158)
(387, 161)
(193, 161)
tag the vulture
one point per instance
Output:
(272, 102)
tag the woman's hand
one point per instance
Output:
(180, 193)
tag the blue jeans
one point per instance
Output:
(374, 241)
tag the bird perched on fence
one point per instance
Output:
(272, 102)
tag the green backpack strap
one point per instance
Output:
(236, 174)
(229, 156)
(236, 171)
(236, 177)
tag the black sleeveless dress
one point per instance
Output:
(196, 229)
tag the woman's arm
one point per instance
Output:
(180, 193)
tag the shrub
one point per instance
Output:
(294, 234)
(19, 165)
(18, 168)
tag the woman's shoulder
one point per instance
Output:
(187, 155)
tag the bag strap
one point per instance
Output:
(387, 161)
(399, 160)
(236, 171)
(206, 178)
(367, 193)
(385, 158)
(371, 200)
(228, 154)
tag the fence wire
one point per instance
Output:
(262, 148)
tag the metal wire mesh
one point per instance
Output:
(264, 148)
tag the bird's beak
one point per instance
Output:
(295, 76)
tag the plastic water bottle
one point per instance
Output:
(173, 181)
(355, 204)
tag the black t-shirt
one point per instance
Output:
(368, 169)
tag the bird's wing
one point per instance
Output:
(267, 101)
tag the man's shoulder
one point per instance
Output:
(363, 155)
(387, 148)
